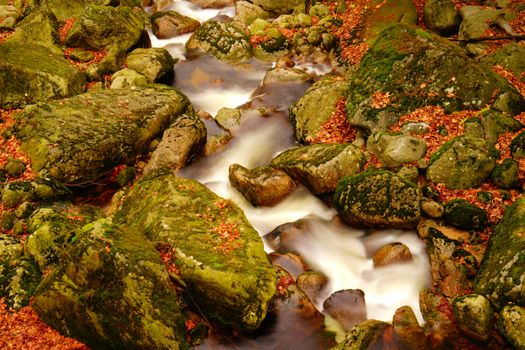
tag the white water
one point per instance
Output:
(341, 252)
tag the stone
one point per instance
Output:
(30, 73)
(127, 79)
(286, 75)
(465, 215)
(222, 40)
(15, 168)
(497, 123)
(153, 63)
(314, 109)
(348, 307)
(63, 10)
(106, 274)
(432, 208)
(312, 284)
(517, 146)
(377, 198)
(262, 186)
(441, 17)
(283, 238)
(475, 21)
(409, 173)
(320, 166)
(8, 16)
(511, 324)
(213, 4)
(511, 57)
(277, 7)
(292, 263)
(169, 24)
(98, 130)
(182, 142)
(473, 315)
(246, 13)
(463, 162)
(363, 336)
(16, 193)
(501, 273)
(440, 325)
(392, 253)
(407, 328)
(220, 256)
(81, 55)
(396, 149)
(506, 174)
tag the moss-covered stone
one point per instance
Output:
(320, 166)
(463, 162)
(127, 79)
(377, 198)
(465, 215)
(38, 28)
(15, 168)
(278, 6)
(220, 256)
(66, 9)
(246, 13)
(510, 56)
(496, 123)
(517, 146)
(506, 174)
(474, 315)
(222, 40)
(9, 16)
(154, 63)
(512, 325)
(363, 335)
(311, 111)
(78, 139)
(396, 149)
(407, 328)
(30, 73)
(501, 274)
(17, 192)
(442, 17)
(413, 69)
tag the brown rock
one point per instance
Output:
(391, 254)
(169, 24)
(312, 283)
(408, 330)
(347, 306)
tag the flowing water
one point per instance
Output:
(341, 252)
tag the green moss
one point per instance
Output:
(465, 215)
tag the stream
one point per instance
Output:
(342, 253)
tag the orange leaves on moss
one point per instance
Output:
(23, 330)
(229, 234)
(166, 255)
(353, 53)
(64, 29)
(336, 129)
(380, 99)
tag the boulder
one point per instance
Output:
(246, 13)
(286, 75)
(224, 41)
(511, 57)
(475, 21)
(153, 63)
(312, 284)
(207, 4)
(365, 335)
(511, 324)
(97, 130)
(377, 198)
(30, 73)
(218, 253)
(463, 162)
(319, 167)
(396, 149)
(465, 215)
(262, 186)
(406, 326)
(105, 275)
(8, 16)
(348, 307)
(277, 7)
(63, 10)
(169, 24)
(440, 325)
(506, 174)
(474, 315)
(392, 253)
(442, 17)
(407, 68)
(496, 123)
(38, 28)
(127, 79)
(501, 274)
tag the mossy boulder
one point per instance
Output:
(78, 139)
(378, 198)
(30, 73)
(506, 174)
(66, 9)
(396, 149)
(474, 315)
(407, 68)
(104, 276)
(314, 109)
(153, 63)
(511, 57)
(224, 41)
(465, 215)
(169, 24)
(517, 146)
(496, 123)
(127, 79)
(363, 336)
(463, 162)
(19, 276)
(501, 275)
(17, 192)
(278, 6)
(320, 166)
(38, 28)
(218, 253)
(512, 325)
(442, 17)
(8, 16)
(246, 13)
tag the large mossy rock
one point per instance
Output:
(223, 40)
(65, 9)
(39, 28)
(407, 68)
(314, 109)
(501, 276)
(218, 253)
(463, 162)
(320, 166)
(30, 73)
(442, 17)
(396, 149)
(278, 6)
(112, 291)
(378, 198)
(153, 63)
(78, 139)
(511, 56)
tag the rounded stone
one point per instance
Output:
(392, 253)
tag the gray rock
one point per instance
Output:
(348, 307)
(442, 17)
(153, 63)
(286, 75)
(394, 150)
(169, 24)
(475, 21)
(474, 315)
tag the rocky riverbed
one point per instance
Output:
(125, 223)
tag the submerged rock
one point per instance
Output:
(378, 198)
(96, 131)
(319, 167)
(218, 253)
(105, 275)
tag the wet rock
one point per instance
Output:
(277, 6)
(181, 142)
(286, 75)
(292, 263)
(363, 336)
(442, 17)
(98, 130)
(274, 44)
(153, 63)
(104, 276)
(312, 284)
(465, 215)
(433, 71)
(263, 186)
(222, 40)
(319, 167)
(378, 198)
(284, 237)
(18, 275)
(220, 256)
(432, 208)
(496, 123)
(246, 13)
(506, 174)
(512, 324)
(502, 274)
(395, 149)
(463, 162)
(392, 253)
(127, 79)
(31, 73)
(474, 316)
(348, 307)
(169, 24)
(407, 328)
(314, 109)
(440, 326)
